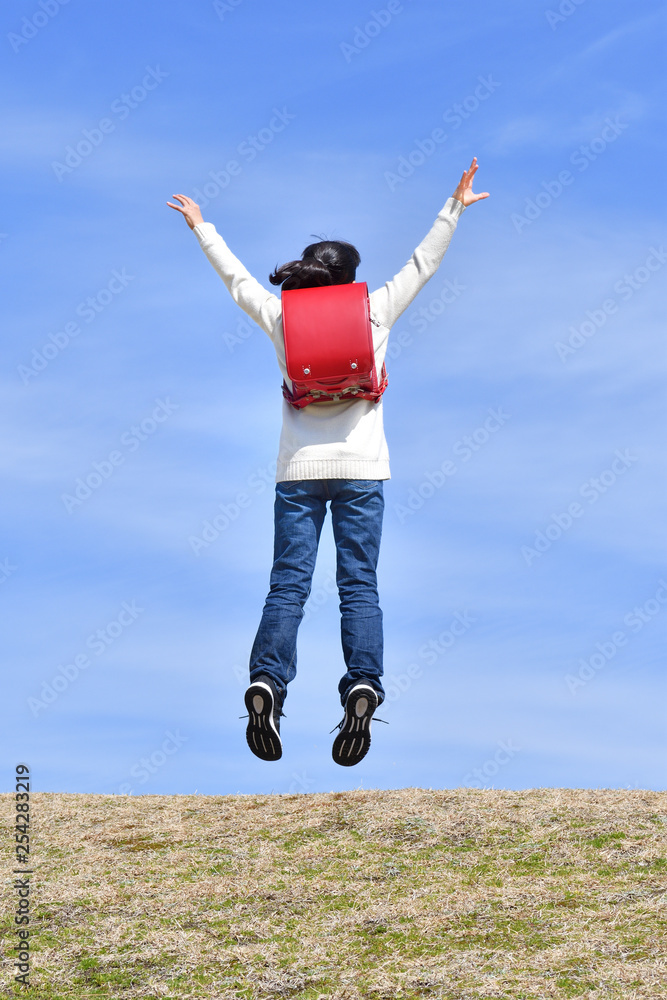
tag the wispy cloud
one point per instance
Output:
(545, 133)
(622, 33)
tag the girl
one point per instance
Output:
(329, 452)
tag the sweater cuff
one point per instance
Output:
(205, 232)
(453, 208)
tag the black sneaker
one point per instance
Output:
(264, 706)
(354, 739)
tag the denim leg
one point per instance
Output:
(357, 508)
(299, 512)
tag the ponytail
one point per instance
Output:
(329, 262)
(302, 274)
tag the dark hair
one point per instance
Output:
(329, 262)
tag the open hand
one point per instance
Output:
(464, 192)
(188, 208)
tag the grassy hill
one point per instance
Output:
(402, 894)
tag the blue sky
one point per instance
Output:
(125, 652)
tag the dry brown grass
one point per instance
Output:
(365, 894)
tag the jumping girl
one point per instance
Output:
(330, 451)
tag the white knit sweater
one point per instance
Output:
(328, 440)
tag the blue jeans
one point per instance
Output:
(357, 506)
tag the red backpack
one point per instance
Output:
(329, 345)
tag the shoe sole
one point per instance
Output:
(354, 740)
(261, 734)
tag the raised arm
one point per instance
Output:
(390, 301)
(261, 305)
